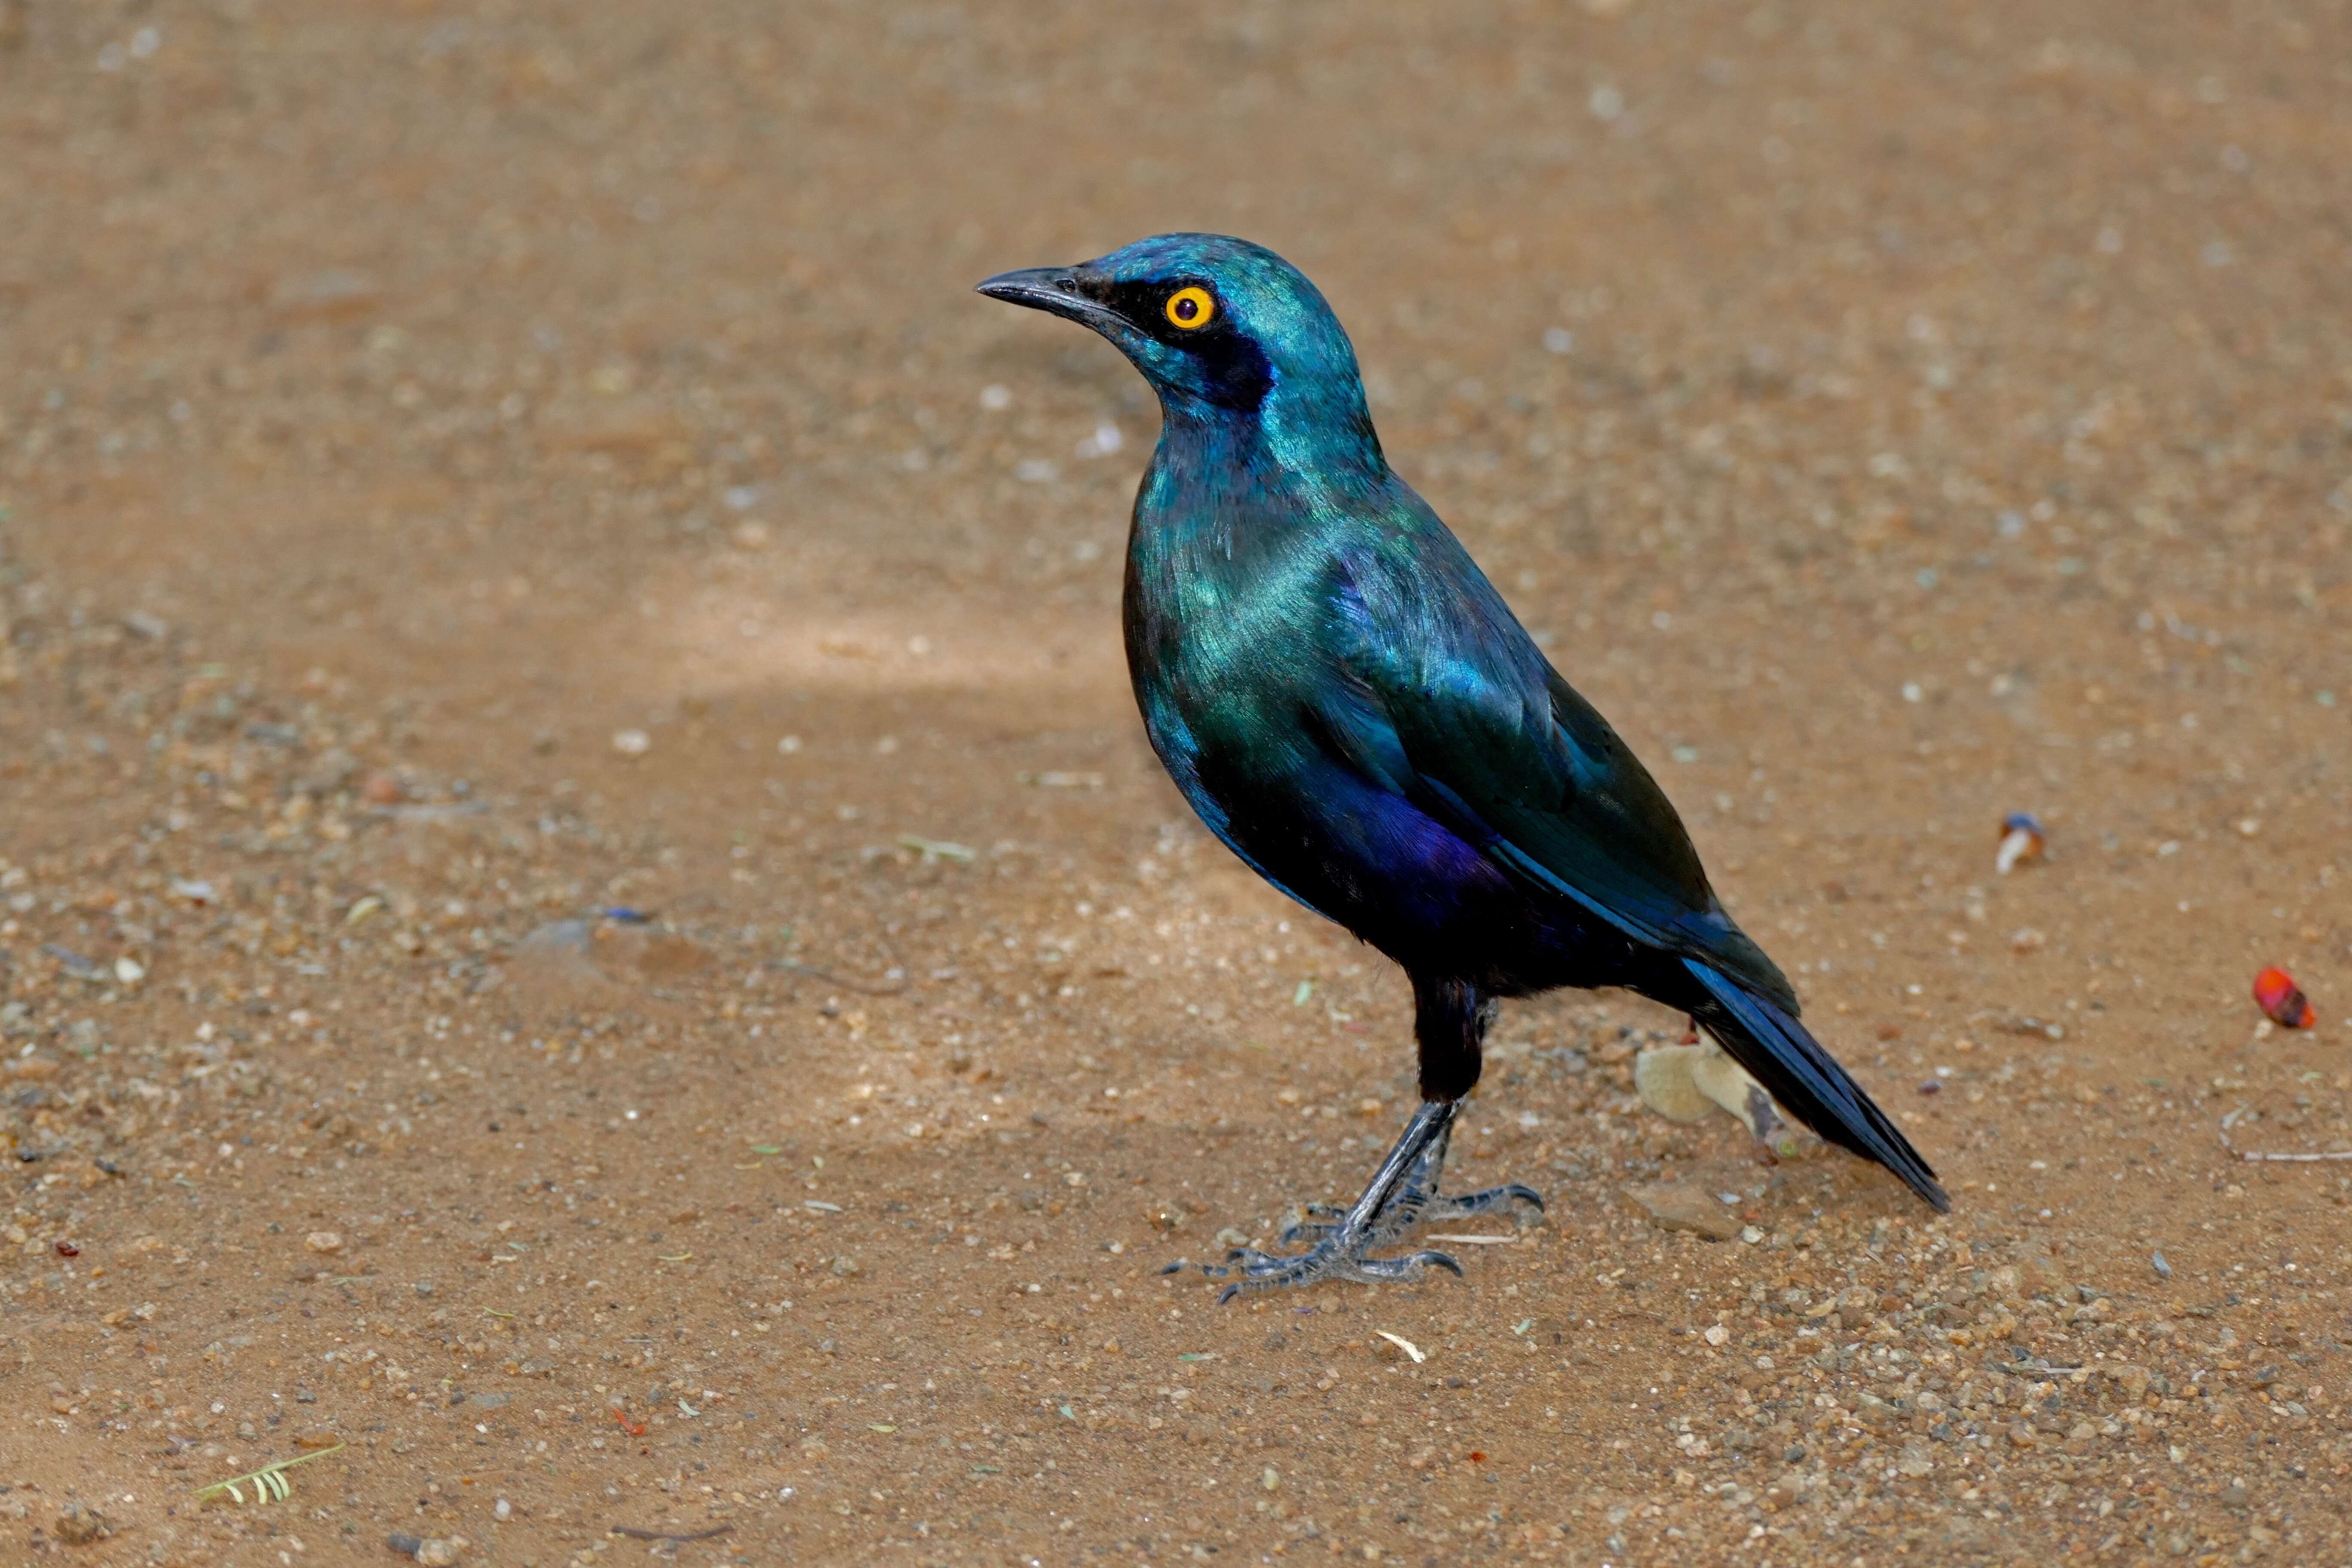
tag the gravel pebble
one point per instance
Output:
(1685, 1205)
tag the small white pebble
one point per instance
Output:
(632, 743)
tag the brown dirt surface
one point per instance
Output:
(467, 468)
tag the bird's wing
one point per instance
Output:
(1452, 703)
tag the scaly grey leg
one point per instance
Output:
(1401, 1193)
(1418, 1201)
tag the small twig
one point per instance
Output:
(2252, 1154)
(634, 1533)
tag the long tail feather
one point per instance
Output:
(1782, 1055)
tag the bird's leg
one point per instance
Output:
(1418, 1201)
(1450, 1021)
(1340, 1252)
(1434, 1205)
(1403, 1210)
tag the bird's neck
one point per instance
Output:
(1300, 441)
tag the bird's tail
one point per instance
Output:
(1782, 1055)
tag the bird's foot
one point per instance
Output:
(1337, 1257)
(1415, 1201)
(1316, 1221)
(1403, 1194)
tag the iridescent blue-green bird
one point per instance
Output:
(1349, 705)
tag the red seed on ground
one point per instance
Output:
(2279, 996)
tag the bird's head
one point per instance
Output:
(1214, 323)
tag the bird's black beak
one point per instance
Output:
(1052, 290)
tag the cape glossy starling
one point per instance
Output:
(1349, 705)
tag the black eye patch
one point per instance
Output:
(1234, 368)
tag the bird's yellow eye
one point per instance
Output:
(1191, 309)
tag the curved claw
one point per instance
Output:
(1436, 1260)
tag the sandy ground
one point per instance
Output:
(464, 469)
